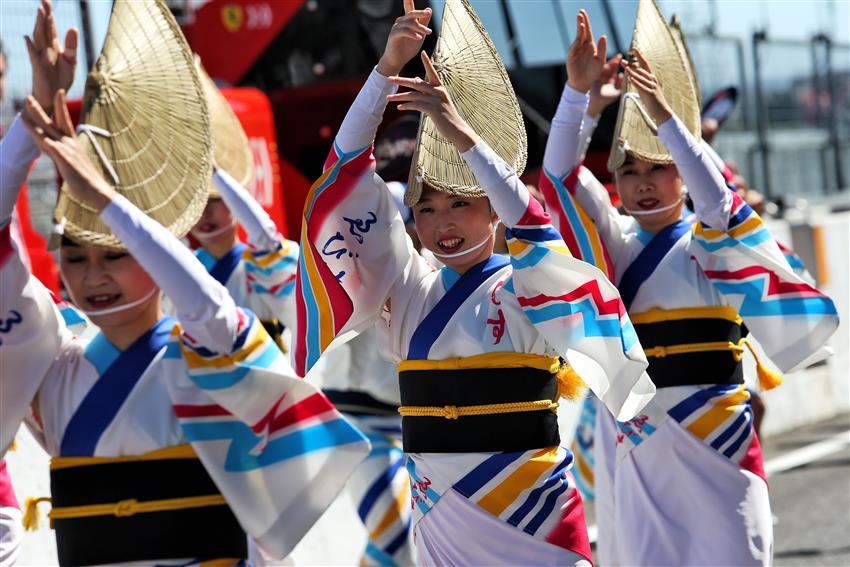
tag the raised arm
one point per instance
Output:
(706, 186)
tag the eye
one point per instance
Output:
(659, 167)
(457, 204)
(425, 210)
(72, 259)
(115, 255)
(626, 172)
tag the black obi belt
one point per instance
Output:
(692, 346)
(497, 402)
(161, 505)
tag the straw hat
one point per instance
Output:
(635, 131)
(475, 78)
(145, 124)
(230, 143)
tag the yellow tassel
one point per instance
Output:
(768, 378)
(570, 384)
(31, 521)
(14, 445)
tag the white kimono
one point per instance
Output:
(356, 258)
(275, 447)
(700, 480)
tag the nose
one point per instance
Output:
(95, 274)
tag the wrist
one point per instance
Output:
(578, 86)
(388, 69)
(100, 197)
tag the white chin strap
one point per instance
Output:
(463, 252)
(207, 235)
(644, 213)
(120, 308)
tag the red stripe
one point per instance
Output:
(534, 214)
(6, 249)
(310, 406)
(211, 410)
(554, 204)
(591, 288)
(775, 285)
(274, 288)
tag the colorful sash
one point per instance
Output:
(433, 324)
(225, 265)
(103, 402)
(644, 265)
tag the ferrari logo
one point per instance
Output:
(232, 16)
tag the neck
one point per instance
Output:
(219, 247)
(124, 335)
(657, 224)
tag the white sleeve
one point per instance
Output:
(261, 230)
(588, 126)
(565, 141)
(706, 186)
(366, 113)
(204, 307)
(17, 151)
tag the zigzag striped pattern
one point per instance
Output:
(575, 225)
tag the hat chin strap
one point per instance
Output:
(89, 132)
(642, 213)
(120, 308)
(463, 252)
(213, 234)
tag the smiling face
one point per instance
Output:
(217, 225)
(99, 279)
(449, 224)
(645, 186)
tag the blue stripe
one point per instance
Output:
(751, 240)
(484, 472)
(546, 234)
(71, 316)
(101, 353)
(206, 259)
(226, 264)
(449, 277)
(592, 325)
(548, 507)
(285, 262)
(645, 263)
(281, 292)
(300, 442)
(228, 379)
(741, 438)
(568, 206)
(430, 494)
(382, 483)
(530, 259)
(312, 315)
(435, 322)
(534, 495)
(377, 555)
(743, 214)
(723, 437)
(689, 405)
(755, 306)
(104, 400)
(399, 540)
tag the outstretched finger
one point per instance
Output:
(602, 49)
(430, 71)
(72, 40)
(414, 83)
(408, 96)
(39, 121)
(408, 6)
(589, 27)
(642, 60)
(38, 28)
(63, 116)
(51, 38)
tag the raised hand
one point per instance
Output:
(405, 40)
(58, 141)
(641, 76)
(432, 98)
(606, 89)
(52, 65)
(586, 59)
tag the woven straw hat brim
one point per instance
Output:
(145, 95)
(473, 74)
(635, 132)
(230, 143)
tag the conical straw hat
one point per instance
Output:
(230, 143)
(145, 124)
(635, 131)
(473, 74)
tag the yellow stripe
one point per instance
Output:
(517, 247)
(126, 508)
(598, 259)
(195, 360)
(743, 228)
(393, 513)
(820, 255)
(584, 469)
(322, 299)
(487, 360)
(230, 562)
(521, 479)
(656, 315)
(265, 260)
(561, 249)
(176, 452)
(722, 410)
